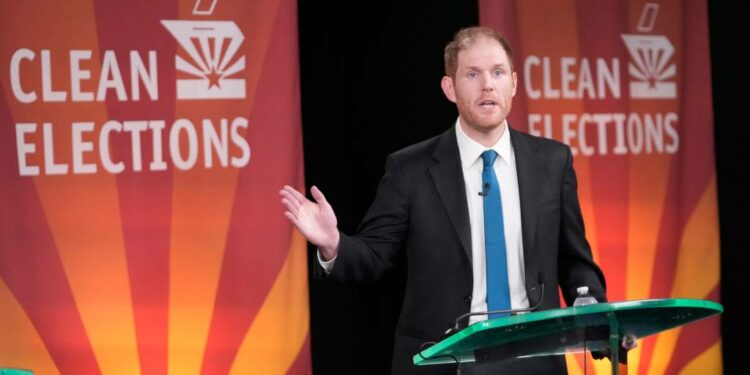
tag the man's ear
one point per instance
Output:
(447, 84)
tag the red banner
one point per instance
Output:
(143, 144)
(627, 85)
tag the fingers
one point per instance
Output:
(285, 194)
(292, 218)
(318, 195)
(291, 206)
(292, 194)
(292, 199)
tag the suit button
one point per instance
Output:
(467, 299)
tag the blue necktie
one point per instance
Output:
(498, 290)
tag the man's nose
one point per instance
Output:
(487, 84)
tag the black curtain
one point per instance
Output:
(370, 84)
(731, 164)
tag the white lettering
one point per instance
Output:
(23, 149)
(192, 145)
(240, 141)
(567, 77)
(531, 92)
(48, 94)
(15, 76)
(50, 167)
(110, 68)
(576, 79)
(104, 153)
(549, 92)
(601, 122)
(608, 77)
(158, 163)
(80, 147)
(635, 134)
(568, 133)
(77, 75)
(135, 128)
(89, 143)
(586, 149)
(670, 121)
(221, 146)
(585, 82)
(534, 119)
(620, 147)
(148, 77)
(142, 75)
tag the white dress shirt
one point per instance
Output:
(505, 170)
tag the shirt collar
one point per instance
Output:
(470, 150)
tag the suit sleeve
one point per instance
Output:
(381, 235)
(576, 265)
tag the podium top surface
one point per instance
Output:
(562, 330)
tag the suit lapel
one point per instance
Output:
(449, 181)
(530, 171)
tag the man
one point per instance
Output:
(485, 215)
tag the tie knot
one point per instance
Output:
(488, 157)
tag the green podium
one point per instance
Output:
(596, 327)
(15, 371)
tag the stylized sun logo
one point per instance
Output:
(650, 64)
(211, 48)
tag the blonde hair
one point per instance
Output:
(465, 38)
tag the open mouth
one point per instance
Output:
(487, 103)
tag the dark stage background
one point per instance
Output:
(370, 82)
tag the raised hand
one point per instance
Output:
(315, 220)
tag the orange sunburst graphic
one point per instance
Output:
(644, 155)
(130, 247)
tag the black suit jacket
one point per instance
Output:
(420, 208)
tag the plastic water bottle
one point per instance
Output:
(584, 298)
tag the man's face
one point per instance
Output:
(483, 87)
